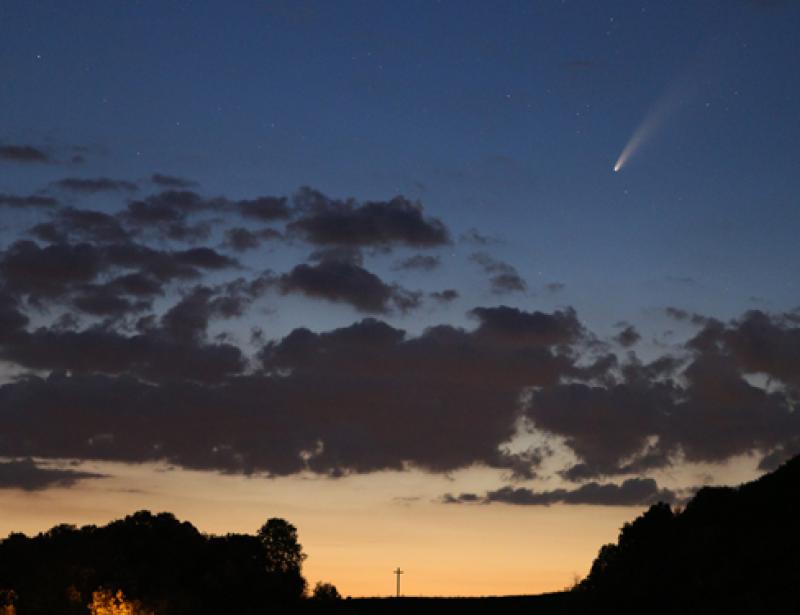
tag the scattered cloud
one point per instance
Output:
(324, 221)
(346, 282)
(23, 154)
(172, 182)
(628, 336)
(420, 262)
(473, 236)
(632, 492)
(27, 475)
(445, 296)
(503, 277)
(98, 184)
(22, 202)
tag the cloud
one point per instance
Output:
(710, 415)
(95, 185)
(445, 296)
(475, 237)
(325, 221)
(346, 282)
(517, 327)
(628, 336)
(757, 343)
(503, 277)
(341, 254)
(69, 223)
(682, 315)
(27, 475)
(21, 202)
(50, 271)
(632, 492)
(420, 262)
(108, 305)
(555, 287)
(265, 208)
(156, 354)
(356, 399)
(167, 213)
(61, 270)
(170, 181)
(23, 154)
(241, 239)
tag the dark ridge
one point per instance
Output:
(731, 550)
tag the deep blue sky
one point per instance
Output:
(504, 116)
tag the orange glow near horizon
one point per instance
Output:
(355, 530)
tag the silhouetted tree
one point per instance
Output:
(283, 559)
(731, 550)
(283, 552)
(326, 592)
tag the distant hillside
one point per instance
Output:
(731, 550)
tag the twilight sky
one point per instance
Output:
(368, 266)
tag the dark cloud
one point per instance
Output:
(170, 181)
(61, 270)
(69, 223)
(628, 336)
(95, 185)
(555, 287)
(132, 380)
(157, 354)
(682, 315)
(265, 208)
(106, 300)
(357, 399)
(503, 277)
(25, 474)
(242, 239)
(632, 492)
(756, 343)
(167, 215)
(709, 415)
(50, 271)
(21, 202)
(12, 320)
(516, 327)
(325, 221)
(188, 319)
(346, 282)
(420, 262)
(118, 297)
(479, 239)
(23, 153)
(445, 296)
(342, 254)
(166, 265)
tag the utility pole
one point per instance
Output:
(398, 572)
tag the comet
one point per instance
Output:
(651, 123)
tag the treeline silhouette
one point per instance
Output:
(161, 565)
(730, 550)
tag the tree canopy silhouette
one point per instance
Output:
(731, 550)
(165, 565)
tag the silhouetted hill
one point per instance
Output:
(731, 550)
